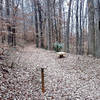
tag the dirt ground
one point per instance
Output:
(71, 78)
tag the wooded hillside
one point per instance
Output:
(73, 23)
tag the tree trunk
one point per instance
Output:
(36, 23)
(41, 22)
(8, 15)
(1, 15)
(7, 8)
(68, 26)
(1, 6)
(49, 25)
(77, 26)
(60, 17)
(81, 33)
(24, 27)
(91, 28)
(55, 21)
(97, 16)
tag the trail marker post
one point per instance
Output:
(42, 79)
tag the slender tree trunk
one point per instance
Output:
(72, 26)
(24, 27)
(55, 21)
(32, 19)
(41, 26)
(1, 15)
(84, 24)
(13, 35)
(1, 6)
(49, 25)
(32, 7)
(77, 26)
(7, 8)
(68, 26)
(91, 28)
(60, 17)
(8, 26)
(97, 14)
(81, 33)
(36, 23)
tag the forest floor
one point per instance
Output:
(71, 78)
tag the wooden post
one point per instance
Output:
(42, 79)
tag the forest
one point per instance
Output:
(49, 49)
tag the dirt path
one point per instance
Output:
(70, 78)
